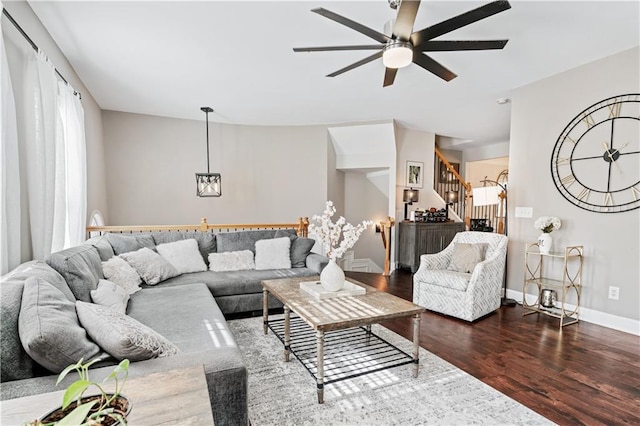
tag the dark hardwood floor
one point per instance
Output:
(587, 374)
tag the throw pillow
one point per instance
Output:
(183, 255)
(111, 295)
(466, 256)
(300, 247)
(122, 336)
(231, 261)
(150, 265)
(49, 329)
(118, 271)
(273, 253)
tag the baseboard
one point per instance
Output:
(595, 317)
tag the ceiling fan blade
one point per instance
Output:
(357, 64)
(405, 18)
(475, 15)
(377, 36)
(450, 45)
(389, 76)
(432, 66)
(332, 48)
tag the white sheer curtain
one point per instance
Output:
(72, 133)
(10, 245)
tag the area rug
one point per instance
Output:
(284, 393)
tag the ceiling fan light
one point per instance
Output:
(397, 54)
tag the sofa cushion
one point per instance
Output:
(118, 271)
(15, 363)
(102, 245)
(449, 279)
(49, 328)
(206, 240)
(122, 336)
(242, 240)
(236, 282)
(183, 255)
(81, 268)
(151, 267)
(111, 295)
(124, 243)
(231, 261)
(273, 253)
(466, 256)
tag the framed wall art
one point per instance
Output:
(415, 174)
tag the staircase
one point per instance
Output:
(447, 181)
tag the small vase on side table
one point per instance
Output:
(332, 277)
(545, 242)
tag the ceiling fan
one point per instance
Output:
(405, 46)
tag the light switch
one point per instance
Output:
(524, 211)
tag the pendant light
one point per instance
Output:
(208, 184)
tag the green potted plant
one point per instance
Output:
(101, 409)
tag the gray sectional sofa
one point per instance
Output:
(189, 310)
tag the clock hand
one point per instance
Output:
(622, 147)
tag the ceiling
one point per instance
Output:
(170, 58)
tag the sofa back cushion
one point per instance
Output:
(243, 240)
(15, 363)
(124, 243)
(81, 268)
(49, 328)
(103, 246)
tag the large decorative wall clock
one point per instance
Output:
(595, 162)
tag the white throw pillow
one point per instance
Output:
(183, 255)
(117, 270)
(273, 253)
(111, 295)
(150, 265)
(231, 261)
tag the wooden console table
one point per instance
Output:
(174, 397)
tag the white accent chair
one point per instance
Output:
(467, 296)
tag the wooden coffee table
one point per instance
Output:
(340, 313)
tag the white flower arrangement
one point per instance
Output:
(547, 223)
(337, 237)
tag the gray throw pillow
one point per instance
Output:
(111, 295)
(466, 256)
(150, 265)
(122, 336)
(123, 243)
(300, 247)
(49, 329)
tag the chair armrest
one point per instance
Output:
(316, 262)
(488, 274)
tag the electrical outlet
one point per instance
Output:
(524, 212)
(614, 293)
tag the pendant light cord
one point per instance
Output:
(208, 170)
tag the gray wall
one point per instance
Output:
(540, 111)
(269, 174)
(17, 47)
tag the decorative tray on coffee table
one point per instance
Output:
(315, 289)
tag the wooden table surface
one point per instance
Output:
(174, 397)
(341, 312)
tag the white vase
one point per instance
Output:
(545, 242)
(332, 277)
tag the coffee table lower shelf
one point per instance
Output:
(348, 353)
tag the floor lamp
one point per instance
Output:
(490, 195)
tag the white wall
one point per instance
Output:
(17, 47)
(540, 111)
(476, 171)
(269, 174)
